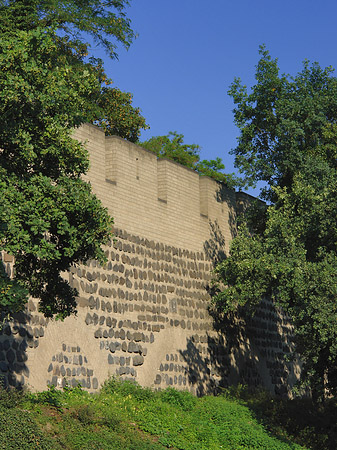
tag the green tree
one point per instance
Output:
(172, 147)
(49, 217)
(283, 120)
(214, 168)
(52, 218)
(75, 20)
(287, 250)
(117, 116)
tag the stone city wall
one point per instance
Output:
(144, 315)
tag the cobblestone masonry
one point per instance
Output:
(144, 316)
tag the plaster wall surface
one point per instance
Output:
(144, 315)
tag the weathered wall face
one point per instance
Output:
(145, 315)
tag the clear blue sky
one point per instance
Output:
(189, 51)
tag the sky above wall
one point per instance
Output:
(188, 52)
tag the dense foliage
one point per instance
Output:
(117, 116)
(284, 121)
(287, 251)
(49, 217)
(125, 416)
(172, 147)
(105, 22)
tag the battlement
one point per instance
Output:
(171, 202)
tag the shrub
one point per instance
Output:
(51, 397)
(180, 398)
(127, 388)
(85, 414)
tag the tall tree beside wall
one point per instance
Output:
(49, 217)
(288, 250)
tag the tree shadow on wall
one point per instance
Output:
(209, 363)
(215, 246)
(15, 337)
(256, 337)
(260, 343)
(236, 355)
(227, 196)
(269, 330)
(198, 371)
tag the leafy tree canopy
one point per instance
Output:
(49, 217)
(172, 147)
(287, 251)
(117, 116)
(76, 20)
(283, 120)
(75, 23)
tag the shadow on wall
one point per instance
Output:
(271, 333)
(262, 345)
(243, 367)
(198, 369)
(228, 359)
(227, 196)
(15, 337)
(215, 246)
(260, 342)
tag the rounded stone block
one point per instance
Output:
(138, 360)
(10, 356)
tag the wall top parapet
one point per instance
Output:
(173, 203)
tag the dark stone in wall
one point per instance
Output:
(112, 347)
(3, 366)
(138, 360)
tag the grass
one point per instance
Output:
(125, 416)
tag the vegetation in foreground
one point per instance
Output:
(126, 416)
